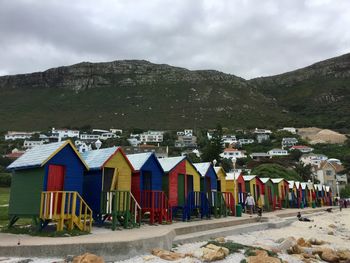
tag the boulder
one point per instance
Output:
(331, 233)
(217, 248)
(344, 254)
(296, 249)
(148, 258)
(210, 255)
(167, 255)
(257, 259)
(330, 255)
(88, 258)
(302, 243)
(314, 241)
(220, 239)
(332, 226)
(287, 244)
(261, 253)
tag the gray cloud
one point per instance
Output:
(245, 38)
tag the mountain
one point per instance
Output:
(130, 93)
(318, 95)
(137, 93)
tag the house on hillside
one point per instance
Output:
(230, 153)
(313, 159)
(262, 135)
(329, 171)
(301, 148)
(260, 156)
(289, 142)
(278, 152)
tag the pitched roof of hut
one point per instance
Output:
(137, 160)
(265, 179)
(232, 176)
(202, 168)
(96, 159)
(169, 163)
(39, 155)
(248, 177)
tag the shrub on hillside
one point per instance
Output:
(5, 180)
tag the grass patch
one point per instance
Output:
(4, 200)
(243, 261)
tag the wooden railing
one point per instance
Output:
(157, 204)
(217, 202)
(197, 200)
(66, 207)
(121, 204)
(230, 203)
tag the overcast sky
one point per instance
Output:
(246, 38)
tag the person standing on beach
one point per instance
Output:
(250, 203)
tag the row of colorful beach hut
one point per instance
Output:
(55, 183)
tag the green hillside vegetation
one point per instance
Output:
(137, 93)
(276, 171)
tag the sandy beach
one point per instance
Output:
(334, 228)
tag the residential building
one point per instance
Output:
(230, 153)
(301, 148)
(278, 152)
(245, 141)
(31, 144)
(15, 135)
(65, 133)
(89, 137)
(229, 140)
(260, 156)
(313, 159)
(328, 172)
(261, 137)
(289, 142)
(116, 131)
(134, 141)
(108, 135)
(290, 129)
(15, 154)
(186, 141)
(262, 131)
(152, 136)
(160, 151)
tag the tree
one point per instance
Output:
(345, 192)
(214, 147)
(272, 170)
(226, 164)
(295, 155)
(304, 171)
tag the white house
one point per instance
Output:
(14, 135)
(229, 139)
(262, 131)
(290, 129)
(246, 141)
(89, 137)
(31, 144)
(289, 142)
(313, 159)
(301, 148)
(151, 136)
(278, 152)
(134, 141)
(65, 133)
(230, 153)
(108, 135)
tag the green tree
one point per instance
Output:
(226, 164)
(304, 171)
(272, 170)
(214, 147)
(345, 192)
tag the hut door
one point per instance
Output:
(207, 184)
(189, 181)
(107, 179)
(181, 189)
(55, 182)
(218, 185)
(55, 178)
(147, 181)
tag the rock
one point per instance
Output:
(69, 258)
(306, 255)
(167, 255)
(287, 244)
(198, 253)
(88, 258)
(329, 255)
(295, 250)
(220, 239)
(330, 233)
(148, 258)
(332, 226)
(343, 254)
(302, 243)
(210, 255)
(314, 241)
(257, 259)
(217, 248)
